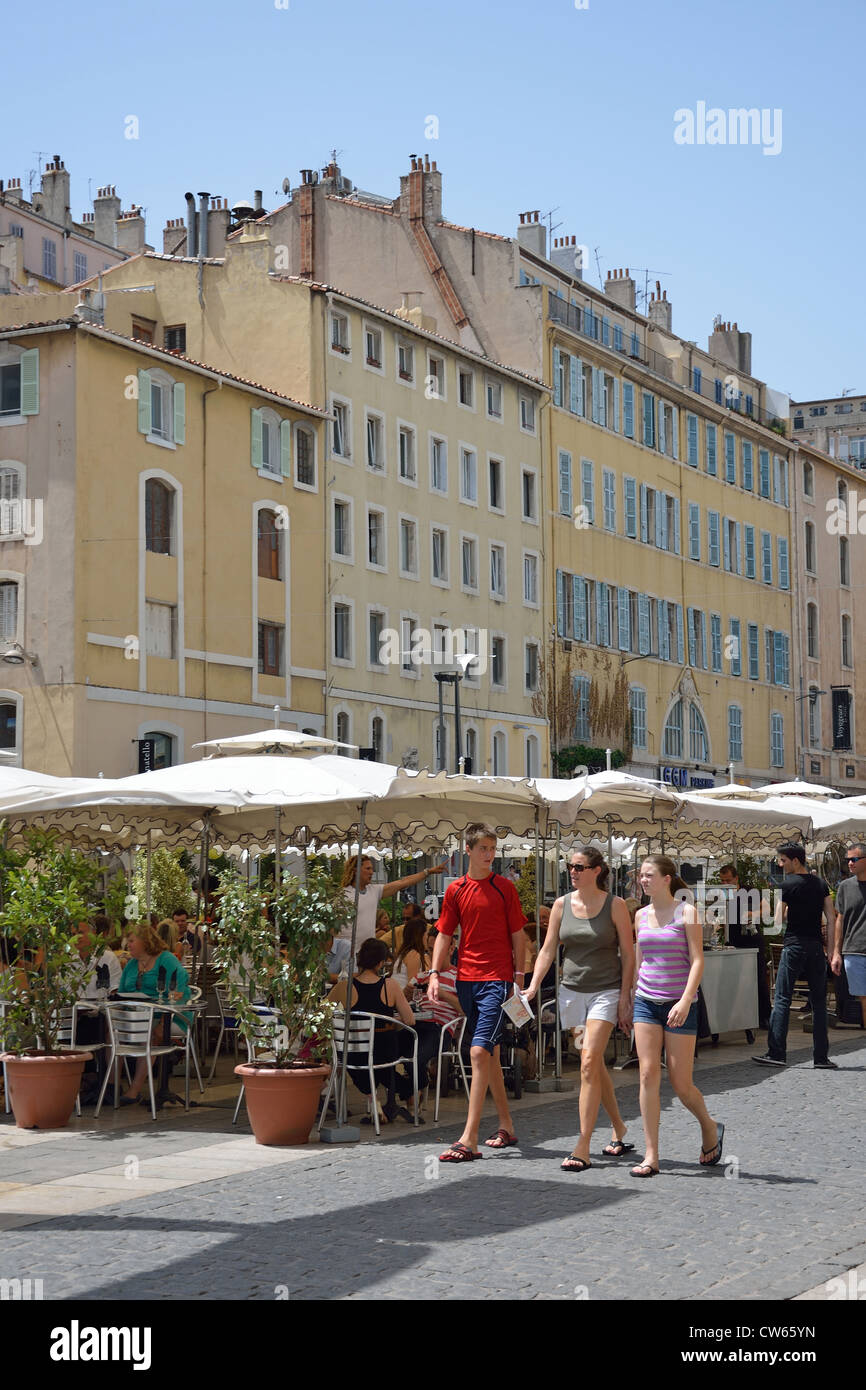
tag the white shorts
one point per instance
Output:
(576, 1008)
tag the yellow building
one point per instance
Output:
(162, 576)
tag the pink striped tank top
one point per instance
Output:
(665, 962)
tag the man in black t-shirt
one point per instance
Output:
(806, 904)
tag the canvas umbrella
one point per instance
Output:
(799, 788)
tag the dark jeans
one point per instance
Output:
(800, 960)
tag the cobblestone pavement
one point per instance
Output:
(782, 1214)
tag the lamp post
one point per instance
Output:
(452, 677)
(812, 697)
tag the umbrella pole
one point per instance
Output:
(557, 1036)
(277, 877)
(147, 874)
(539, 1084)
(343, 1133)
(394, 874)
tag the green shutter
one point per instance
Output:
(30, 382)
(286, 448)
(256, 439)
(179, 394)
(144, 402)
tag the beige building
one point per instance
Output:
(836, 426)
(162, 576)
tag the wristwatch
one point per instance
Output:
(433, 972)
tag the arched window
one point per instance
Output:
(158, 516)
(471, 752)
(377, 738)
(699, 743)
(9, 611)
(500, 762)
(163, 748)
(808, 479)
(342, 731)
(846, 641)
(8, 724)
(842, 491)
(809, 530)
(812, 630)
(673, 733)
(270, 549)
(844, 562)
(531, 755)
(305, 456)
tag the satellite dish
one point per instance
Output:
(287, 187)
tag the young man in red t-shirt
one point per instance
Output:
(490, 957)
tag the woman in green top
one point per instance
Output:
(598, 963)
(141, 976)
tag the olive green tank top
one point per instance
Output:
(591, 949)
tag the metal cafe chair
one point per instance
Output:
(130, 1029)
(358, 1037)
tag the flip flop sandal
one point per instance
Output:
(644, 1170)
(573, 1164)
(617, 1148)
(501, 1140)
(718, 1145)
(458, 1153)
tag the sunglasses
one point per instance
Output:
(578, 868)
(856, 859)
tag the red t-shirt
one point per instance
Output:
(488, 913)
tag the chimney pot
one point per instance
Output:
(434, 166)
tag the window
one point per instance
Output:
(798, 422)
(766, 557)
(777, 741)
(672, 741)
(497, 661)
(375, 442)
(343, 530)
(342, 633)
(748, 471)
(8, 611)
(372, 347)
(341, 439)
(376, 553)
(603, 614)
(158, 516)
(305, 457)
(582, 687)
(608, 487)
(438, 465)
(565, 494)
(49, 258)
(531, 759)
(809, 531)
(468, 476)
(694, 531)
(495, 473)
(587, 488)
(530, 579)
(339, 332)
(528, 488)
(697, 637)
(730, 458)
(469, 563)
(847, 648)
(844, 562)
(163, 749)
(692, 440)
(377, 737)
(497, 571)
(271, 638)
(637, 714)
(751, 558)
(764, 472)
(782, 562)
(718, 391)
(11, 519)
(842, 492)
(754, 662)
(342, 730)
(80, 266)
(375, 627)
(439, 554)
(435, 383)
(777, 657)
(731, 545)
(10, 388)
(735, 734)
(780, 480)
(699, 743)
(406, 450)
(713, 523)
(812, 631)
(160, 630)
(408, 548)
(407, 655)
(269, 548)
(494, 400)
(466, 388)
(668, 430)
(500, 763)
(649, 433)
(715, 642)
(471, 759)
(845, 408)
(735, 647)
(174, 338)
(162, 408)
(711, 440)
(628, 409)
(406, 362)
(629, 487)
(143, 330)
(530, 668)
(527, 414)
(814, 717)
(808, 479)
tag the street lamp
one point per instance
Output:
(812, 697)
(639, 656)
(452, 675)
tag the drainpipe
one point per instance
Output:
(190, 224)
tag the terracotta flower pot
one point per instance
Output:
(282, 1101)
(43, 1087)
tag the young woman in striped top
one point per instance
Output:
(669, 966)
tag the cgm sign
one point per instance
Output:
(682, 777)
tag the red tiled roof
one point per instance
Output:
(455, 227)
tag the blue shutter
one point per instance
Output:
(623, 619)
(680, 644)
(256, 438)
(664, 634)
(692, 447)
(179, 404)
(738, 534)
(560, 603)
(786, 670)
(783, 563)
(630, 499)
(557, 380)
(730, 458)
(766, 557)
(715, 642)
(661, 527)
(768, 654)
(565, 503)
(616, 404)
(144, 403)
(573, 386)
(726, 544)
(286, 448)
(703, 642)
(713, 527)
(644, 639)
(29, 364)
(605, 332)
(750, 552)
(587, 473)
(662, 437)
(596, 396)
(600, 612)
(764, 472)
(754, 669)
(675, 432)
(737, 656)
(644, 520)
(748, 471)
(692, 635)
(676, 526)
(648, 419)
(628, 409)
(778, 660)
(712, 467)
(581, 610)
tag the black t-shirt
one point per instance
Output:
(803, 895)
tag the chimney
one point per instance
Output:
(660, 310)
(421, 190)
(218, 219)
(568, 255)
(305, 196)
(728, 345)
(53, 199)
(619, 286)
(257, 200)
(106, 210)
(532, 234)
(13, 191)
(174, 237)
(203, 207)
(129, 232)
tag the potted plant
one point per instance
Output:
(282, 1092)
(46, 897)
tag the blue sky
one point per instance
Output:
(539, 106)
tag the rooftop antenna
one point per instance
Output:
(849, 391)
(40, 157)
(551, 225)
(598, 267)
(643, 295)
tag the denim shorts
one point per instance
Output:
(481, 1002)
(855, 972)
(656, 1011)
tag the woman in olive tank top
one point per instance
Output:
(595, 932)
